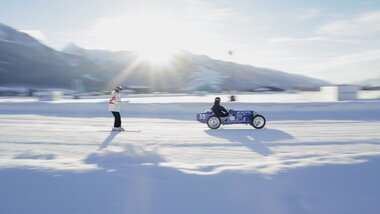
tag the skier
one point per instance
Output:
(114, 106)
(219, 110)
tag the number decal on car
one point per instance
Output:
(202, 116)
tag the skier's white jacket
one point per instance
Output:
(115, 102)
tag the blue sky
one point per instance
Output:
(336, 40)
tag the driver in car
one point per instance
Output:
(219, 110)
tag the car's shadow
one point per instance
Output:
(254, 139)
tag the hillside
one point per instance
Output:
(24, 61)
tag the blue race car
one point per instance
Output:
(234, 117)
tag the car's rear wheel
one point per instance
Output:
(258, 121)
(213, 122)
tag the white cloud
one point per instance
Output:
(306, 14)
(37, 34)
(135, 31)
(347, 59)
(201, 28)
(346, 68)
(313, 39)
(341, 51)
(364, 24)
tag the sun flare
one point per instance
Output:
(156, 55)
(156, 37)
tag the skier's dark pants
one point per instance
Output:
(117, 122)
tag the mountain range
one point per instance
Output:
(24, 61)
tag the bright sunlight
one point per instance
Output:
(156, 38)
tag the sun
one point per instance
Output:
(156, 38)
(156, 55)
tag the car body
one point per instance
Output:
(234, 117)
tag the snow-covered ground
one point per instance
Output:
(312, 157)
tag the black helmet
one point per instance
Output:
(217, 99)
(119, 88)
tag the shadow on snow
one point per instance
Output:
(253, 139)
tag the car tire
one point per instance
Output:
(258, 121)
(214, 122)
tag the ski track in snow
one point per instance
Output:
(63, 164)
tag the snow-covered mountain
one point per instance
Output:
(101, 57)
(187, 71)
(10, 35)
(26, 61)
(233, 76)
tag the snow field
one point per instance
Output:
(65, 143)
(311, 158)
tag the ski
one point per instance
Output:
(135, 131)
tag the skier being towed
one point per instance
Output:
(114, 107)
(219, 110)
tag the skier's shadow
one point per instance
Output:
(108, 140)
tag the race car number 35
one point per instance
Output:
(202, 116)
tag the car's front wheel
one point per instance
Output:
(258, 121)
(213, 122)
